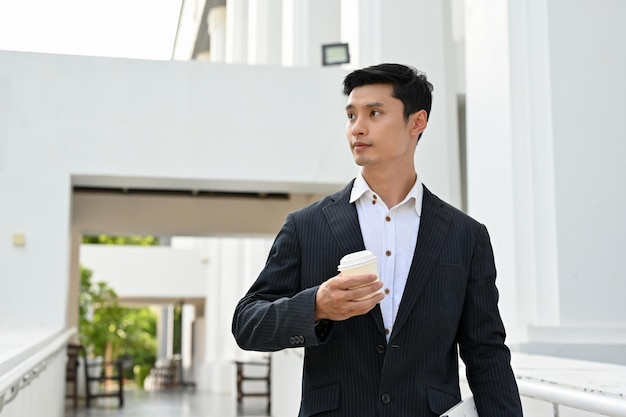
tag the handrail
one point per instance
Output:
(570, 397)
(24, 373)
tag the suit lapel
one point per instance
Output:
(434, 224)
(344, 223)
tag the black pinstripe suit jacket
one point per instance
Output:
(350, 370)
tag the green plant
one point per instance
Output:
(110, 330)
(100, 315)
(122, 240)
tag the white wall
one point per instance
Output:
(115, 122)
(148, 272)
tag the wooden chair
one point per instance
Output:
(71, 373)
(164, 374)
(105, 379)
(263, 376)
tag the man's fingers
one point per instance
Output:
(336, 301)
(356, 281)
(364, 291)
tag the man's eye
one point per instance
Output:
(350, 116)
(374, 113)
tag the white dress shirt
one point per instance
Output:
(391, 234)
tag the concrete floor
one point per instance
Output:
(173, 403)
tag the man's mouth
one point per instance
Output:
(359, 145)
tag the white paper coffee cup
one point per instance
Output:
(359, 263)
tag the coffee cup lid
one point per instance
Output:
(355, 259)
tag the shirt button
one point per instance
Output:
(385, 398)
(388, 218)
(380, 349)
(387, 291)
(375, 196)
(373, 201)
(388, 253)
(387, 331)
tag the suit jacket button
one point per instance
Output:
(301, 339)
(292, 340)
(380, 349)
(385, 398)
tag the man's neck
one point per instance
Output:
(391, 186)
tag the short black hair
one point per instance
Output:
(409, 85)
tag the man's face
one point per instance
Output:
(376, 130)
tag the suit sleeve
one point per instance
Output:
(277, 313)
(481, 339)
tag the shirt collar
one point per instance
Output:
(360, 189)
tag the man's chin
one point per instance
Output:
(360, 161)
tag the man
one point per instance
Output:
(395, 353)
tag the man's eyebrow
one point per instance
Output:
(369, 105)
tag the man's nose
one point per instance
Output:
(358, 127)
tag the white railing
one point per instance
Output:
(553, 386)
(581, 400)
(17, 379)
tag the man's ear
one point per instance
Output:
(418, 122)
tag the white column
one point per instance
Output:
(72, 317)
(588, 96)
(490, 174)
(264, 32)
(165, 332)
(292, 34)
(212, 311)
(190, 21)
(360, 28)
(217, 372)
(188, 317)
(307, 25)
(533, 164)
(216, 22)
(236, 31)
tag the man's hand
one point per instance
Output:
(338, 298)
